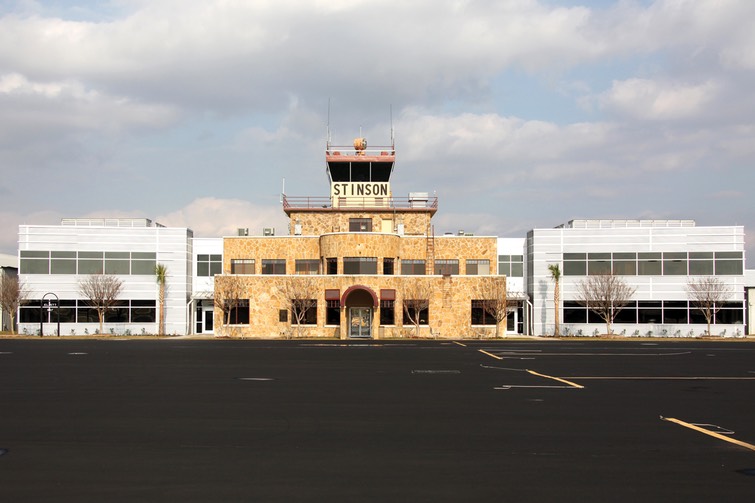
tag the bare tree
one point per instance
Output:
(101, 291)
(12, 295)
(298, 295)
(605, 295)
(495, 301)
(555, 271)
(707, 294)
(415, 299)
(228, 294)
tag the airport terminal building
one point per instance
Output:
(362, 263)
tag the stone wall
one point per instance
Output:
(315, 223)
(449, 309)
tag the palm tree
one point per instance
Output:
(161, 274)
(556, 277)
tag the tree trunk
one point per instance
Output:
(556, 302)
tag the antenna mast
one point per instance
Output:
(393, 140)
(327, 139)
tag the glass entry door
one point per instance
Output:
(360, 322)
(208, 319)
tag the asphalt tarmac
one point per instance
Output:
(376, 421)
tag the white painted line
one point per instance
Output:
(6, 352)
(661, 378)
(255, 379)
(436, 371)
(510, 386)
(513, 353)
(75, 354)
(460, 344)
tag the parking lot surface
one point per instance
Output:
(376, 421)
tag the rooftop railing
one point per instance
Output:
(324, 203)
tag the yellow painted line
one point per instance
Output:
(669, 378)
(490, 354)
(711, 433)
(460, 344)
(575, 385)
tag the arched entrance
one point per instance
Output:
(360, 303)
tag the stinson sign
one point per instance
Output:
(360, 189)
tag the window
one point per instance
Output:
(332, 312)
(511, 265)
(416, 309)
(701, 263)
(35, 262)
(478, 267)
(575, 264)
(242, 266)
(387, 312)
(73, 311)
(627, 314)
(67, 311)
(446, 267)
(29, 311)
(729, 263)
(273, 266)
(625, 264)
(480, 316)
(388, 266)
(208, 265)
(598, 263)
(412, 267)
(649, 311)
(649, 264)
(730, 313)
(307, 266)
(119, 313)
(283, 315)
(118, 263)
(92, 263)
(331, 265)
(332, 307)
(240, 313)
(304, 311)
(360, 225)
(144, 263)
(574, 312)
(63, 262)
(360, 265)
(675, 263)
(674, 311)
(143, 311)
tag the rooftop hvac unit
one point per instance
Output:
(243, 231)
(268, 231)
(418, 199)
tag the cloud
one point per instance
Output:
(215, 217)
(646, 99)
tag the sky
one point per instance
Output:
(518, 114)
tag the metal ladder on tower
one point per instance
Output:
(430, 250)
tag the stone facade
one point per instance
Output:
(450, 296)
(449, 310)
